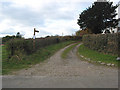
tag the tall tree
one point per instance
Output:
(99, 16)
(18, 35)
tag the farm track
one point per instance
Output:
(56, 72)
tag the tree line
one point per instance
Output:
(7, 38)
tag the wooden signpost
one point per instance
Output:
(34, 38)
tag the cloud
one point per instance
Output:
(50, 17)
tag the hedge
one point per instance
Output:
(26, 46)
(106, 43)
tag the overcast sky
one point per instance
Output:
(50, 17)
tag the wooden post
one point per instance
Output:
(34, 38)
(33, 44)
(12, 49)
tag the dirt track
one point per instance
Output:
(64, 73)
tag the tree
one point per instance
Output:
(18, 35)
(107, 31)
(83, 32)
(7, 38)
(99, 16)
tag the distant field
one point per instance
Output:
(12, 65)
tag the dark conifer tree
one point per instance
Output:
(99, 16)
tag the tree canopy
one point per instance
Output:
(99, 16)
(18, 35)
(83, 32)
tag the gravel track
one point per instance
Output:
(56, 72)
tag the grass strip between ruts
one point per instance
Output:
(67, 50)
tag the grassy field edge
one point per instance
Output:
(94, 56)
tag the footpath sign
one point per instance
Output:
(34, 38)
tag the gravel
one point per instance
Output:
(56, 72)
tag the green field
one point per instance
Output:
(42, 54)
(97, 56)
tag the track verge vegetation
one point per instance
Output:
(42, 54)
(94, 56)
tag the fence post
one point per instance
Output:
(12, 49)
(33, 44)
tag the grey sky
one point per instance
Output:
(50, 17)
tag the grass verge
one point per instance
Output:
(97, 56)
(41, 55)
(66, 51)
